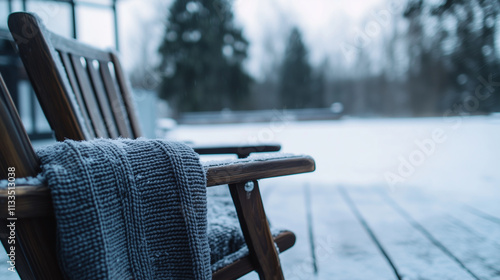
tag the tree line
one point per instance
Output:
(445, 61)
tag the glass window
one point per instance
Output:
(41, 123)
(97, 3)
(17, 5)
(96, 26)
(56, 16)
(4, 12)
(24, 101)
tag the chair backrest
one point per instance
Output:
(84, 84)
(34, 243)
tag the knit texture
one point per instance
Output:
(225, 237)
(128, 209)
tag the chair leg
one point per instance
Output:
(255, 227)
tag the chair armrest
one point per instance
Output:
(241, 150)
(258, 167)
(35, 200)
(32, 201)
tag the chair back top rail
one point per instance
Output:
(82, 89)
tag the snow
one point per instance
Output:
(361, 151)
(252, 158)
(31, 181)
(442, 166)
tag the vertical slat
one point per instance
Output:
(74, 84)
(104, 104)
(89, 97)
(127, 95)
(35, 238)
(256, 230)
(116, 101)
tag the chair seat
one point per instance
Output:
(225, 237)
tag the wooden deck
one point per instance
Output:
(375, 233)
(442, 222)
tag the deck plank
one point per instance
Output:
(414, 256)
(446, 222)
(479, 226)
(343, 248)
(481, 214)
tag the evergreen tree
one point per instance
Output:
(202, 55)
(428, 81)
(455, 57)
(476, 54)
(296, 89)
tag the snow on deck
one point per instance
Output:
(439, 219)
(390, 199)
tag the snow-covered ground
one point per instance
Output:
(436, 162)
(366, 151)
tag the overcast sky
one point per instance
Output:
(329, 26)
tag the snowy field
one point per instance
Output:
(428, 190)
(391, 198)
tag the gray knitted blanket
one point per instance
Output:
(128, 209)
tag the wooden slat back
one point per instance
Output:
(35, 245)
(117, 102)
(68, 66)
(102, 97)
(93, 109)
(126, 93)
(73, 81)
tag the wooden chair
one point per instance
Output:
(36, 256)
(82, 101)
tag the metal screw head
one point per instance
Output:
(249, 186)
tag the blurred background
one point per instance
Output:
(318, 59)
(397, 101)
